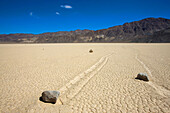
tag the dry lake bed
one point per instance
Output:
(99, 82)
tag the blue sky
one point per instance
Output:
(39, 16)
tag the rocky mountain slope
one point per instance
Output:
(155, 30)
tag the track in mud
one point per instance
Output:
(74, 86)
(160, 90)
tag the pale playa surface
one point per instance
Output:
(102, 81)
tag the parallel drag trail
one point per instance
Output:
(74, 86)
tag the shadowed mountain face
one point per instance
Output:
(155, 30)
(162, 36)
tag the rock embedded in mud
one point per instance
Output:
(90, 51)
(50, 96)
(142, 76)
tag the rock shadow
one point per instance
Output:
(141, 79)
(40, 99)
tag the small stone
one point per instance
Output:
(142, 76)
(90, 51)
(50, 96)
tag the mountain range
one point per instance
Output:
(149, 30)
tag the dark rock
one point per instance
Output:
(90, 51)
(50, 96)
(142, 76)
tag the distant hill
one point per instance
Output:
(149, 30)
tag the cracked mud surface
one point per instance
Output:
(101, 82)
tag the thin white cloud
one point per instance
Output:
(31, 13)
(66, 6)
(57, 13)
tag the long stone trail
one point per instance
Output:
(73, 87)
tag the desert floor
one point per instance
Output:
(99, 82)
